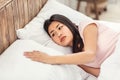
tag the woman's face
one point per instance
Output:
(60, 34)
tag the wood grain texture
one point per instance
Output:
(15, 14)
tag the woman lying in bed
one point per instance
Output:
(91, 43)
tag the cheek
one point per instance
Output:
(66, 31)
(56, 40)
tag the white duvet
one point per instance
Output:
(14, 66)
(110, 69)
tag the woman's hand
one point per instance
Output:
(38, 56)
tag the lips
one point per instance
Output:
(62, 38)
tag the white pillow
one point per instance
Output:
(54, 7)
(15, 66)
(113, 25)
(34, 29)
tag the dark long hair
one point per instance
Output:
(77, 40)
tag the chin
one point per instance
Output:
(65, 45)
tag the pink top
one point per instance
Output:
(107, 39)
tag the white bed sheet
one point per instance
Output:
(110, 68)
(14, 66)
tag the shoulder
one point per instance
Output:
(87, 25)
(91, 29)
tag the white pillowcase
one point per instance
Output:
(54, 7)
(15, 66)
(113, 25)
(34, 30)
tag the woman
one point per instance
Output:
(91, 43)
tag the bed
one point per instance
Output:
(21, 30)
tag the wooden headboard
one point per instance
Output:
(14, 14)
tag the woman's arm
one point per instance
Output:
(77, 58)
(88, 55)
(91, 70)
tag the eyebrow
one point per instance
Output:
(53, 30)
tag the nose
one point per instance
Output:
(59, 34)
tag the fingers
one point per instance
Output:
(35, 51)
(33, 55)
(36, 56)
(30, 53)
(27, 53)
